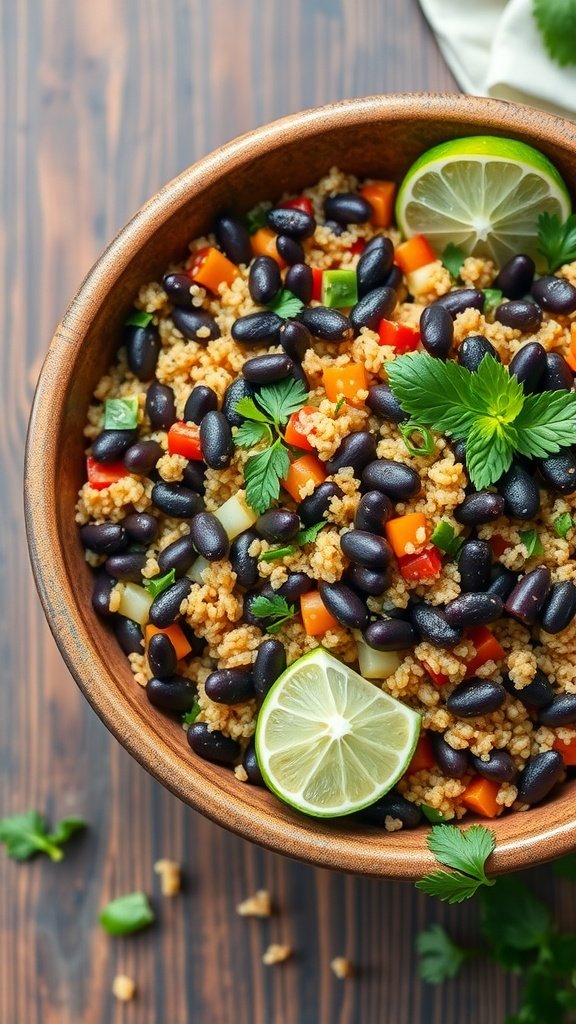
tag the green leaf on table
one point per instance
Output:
(440, 957)
(25, 835)
(127, 914)
(466, 851)
(556, 20)
(512, 916)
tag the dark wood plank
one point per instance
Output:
(99, 105)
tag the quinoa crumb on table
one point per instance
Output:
(204, 647)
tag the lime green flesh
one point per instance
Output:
(330, 743)
(483, 194)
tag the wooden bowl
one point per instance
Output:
(378, 136)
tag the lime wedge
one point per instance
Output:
(328, 742)
(484, 194)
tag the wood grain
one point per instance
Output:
(100, 104)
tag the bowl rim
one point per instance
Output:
(304, 840)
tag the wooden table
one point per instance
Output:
(100, 104)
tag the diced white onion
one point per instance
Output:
(422, 279)
(235, 515)
(135, 603)
(196, 569)
(377, 664)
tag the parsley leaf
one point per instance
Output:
(190, 716)
(440, 958)
(453, 259)
(26, 834)
(488, 452)
(275, 608)
(310, 533)
(127, 914)
(546, 423)
(532, 542)
(448, 886)
(282, 399)
(556, 20)
(511, 916)
(466, 852)
(247, 407)
(556, 240)
(262, 476)
(249, 434)
(286, 304)
(158, 584)
(438, 394)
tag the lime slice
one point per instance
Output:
(483, 194)
(328, 742)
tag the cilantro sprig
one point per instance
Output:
(487, 408)
(556, 20)
(464, 851)
(25, 835)
(286, 304)
(275, 608)
(556, 240)
(158, 584)
(306, 536)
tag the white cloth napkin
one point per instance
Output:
(494, 49)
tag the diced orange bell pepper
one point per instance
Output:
(406, 530)
(175, 634)
(210, 267)
(293, 434)
(438, 678)
(422, 756)
(570, 355)
(488, 648)
(401, 337)
(317, 279)
(414, 253)
(184, 439)
(380, 195)
(480, 797)
(345, 382)
(303, 469)
(567, 749)
(299, 203)
(316, 618)
(263, 243)
(102, 474)
(424, 565)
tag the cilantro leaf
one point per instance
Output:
(546, 423)
(448, 886)
(26, 834)
(511, 916)
(190, 716)
(440, 958)
(127, 914)
(274, 553)
(286, 304)
(310, 533)
(556, 20)
(488, 452)
(453, 259)
(556, 240)
(280, 400)
(532, 542)
(65, 829)
(563, 524)
(275, 608)
(501, 393)
(247, 407)
(492, 298)
(249, 434)
(565, 867)
(262, 476)
(158, 584)
(463, 850)
(438, 394)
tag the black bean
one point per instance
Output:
(395, 279)
(142, 350)
(522, 314)
(290, 250)
(190, 321)
(264, 281)
(437, 331)
(129, 635)
(557, 374)
(560, 608)
(520, 492)
(476, 697)
(460, 299)
(368, 581)
(193, 476)
(101, 591)
(374, 510)
(233, 239)
(559, 471)
(230, 685)
(257, 328)
(328, 324)
(459, 449)
(474, 565)
(298, 374)
(165, 609)
(472, 352)
(216, 440)
(529, 595)
(238, 389)
(278, 525)
(478, 508)
(295, 340)
(209, 537)
(528, 365)
(538, 693)
(201, 400)
(383, 402)
(334, 227)
(390, 635)
(244, 565)
(474, 610)
(355, 451)
(197, 643)
(269, 665)
(367, 549)
(502, 582)
(141, 527)
(251, 766)
(312, 508)
(376, 242)
(347, 208)
(377, 305)
(298, 583)
(433, 626)
(453, 763)
(111, 445)
(179, 555)
(515, 277)
(291, 221)
(344, 604)
(103, 538)
(174, 694)
(560, 711)
(176, 500)
(143, 456)
(161, 656)
(500, 766)
(541, 774)
(177, 288)
(127, 566)
(398, 481)
(555, 294)
(393, 805)
(268, 369)
(299, 280)
(213, 746)
(160, 406)
(374, 266)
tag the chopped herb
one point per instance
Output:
(262, 476)
(445, 538)
(492, 298)
(532, 542)
(250, 434)
(189, 717)
(25, 835)
(127, 914)
(556, 240)
(276, 608)
(339, 405)
(440, 958)
(158, 584)
(563, 524)
(286, 304)
(427, 447)
(453, 259)
(556, 20)
(120, 414)
(274, 553)
(310, 533)
(282, 399)
(306, 536)
(466, 852)
(255, 220)
(138, 318)
(432, 815)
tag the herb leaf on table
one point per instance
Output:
(556, 20)
(25, 835)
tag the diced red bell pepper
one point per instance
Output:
(568, 750)
(102, 474)
(499, 545)
(293, 434)
(488, 648)
(401, 337)
(299, 203)
(358, 246)
(422, 756)
(422, 566)
(439, 678)
(184, 439)
(317, 275)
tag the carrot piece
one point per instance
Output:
(380, 195)
(315, 615)
(570, 355)
(303, 469)
(210, 268)
(414, 253)
(184, 439)
(175, 634)
(567, 748)
(405, 530)
(293, 434)
(422, 756)
(264, 244)
(345, 382)
(480, 796)
(488, 648)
